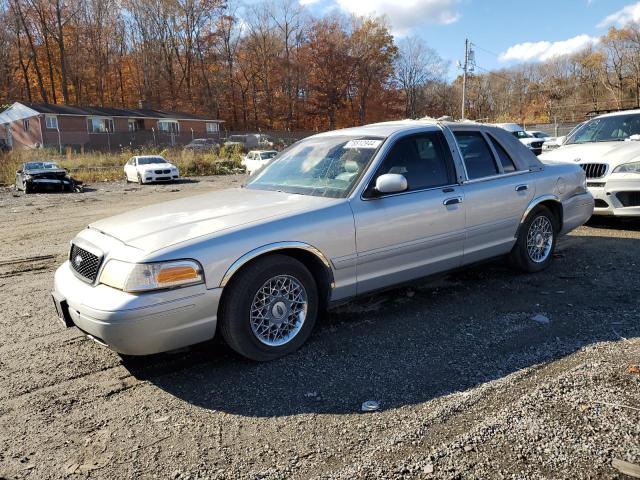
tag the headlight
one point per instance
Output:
(633, 167)
(141, 277)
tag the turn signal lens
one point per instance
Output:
(176, 274)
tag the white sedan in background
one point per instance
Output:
(256, 159)
(150, 168)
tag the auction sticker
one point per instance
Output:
(373, 144)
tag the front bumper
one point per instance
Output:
(140, 324)
(616, 195)
(151, 176)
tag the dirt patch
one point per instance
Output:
(471, 382)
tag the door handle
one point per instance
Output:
(452, 201)
(522, 188)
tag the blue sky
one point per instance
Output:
(513, 31)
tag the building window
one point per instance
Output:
(212, 127)
(25, 124)
(51, 121)
(100, 125)
(169, 126)
(136, 124)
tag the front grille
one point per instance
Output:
(596, 184)
(600, 203)
(166, 171)
(594, 170)
(629, 199)
(536, 144)
(85, 263)
(158, 171)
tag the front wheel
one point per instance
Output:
(140, 179)
(536, 241)
(270, 309)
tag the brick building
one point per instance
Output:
(33, 125)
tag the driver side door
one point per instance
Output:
(411, 234)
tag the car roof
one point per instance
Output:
(615, 114)
(382, 129)
(148, 156)
(262, 151)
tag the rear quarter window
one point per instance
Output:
(505, 159)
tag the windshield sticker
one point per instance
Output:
(372, 144)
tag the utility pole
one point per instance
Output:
(467, 67)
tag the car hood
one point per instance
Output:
(162, 225)
(156, 166)
(611, 153)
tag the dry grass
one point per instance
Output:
(103, 167)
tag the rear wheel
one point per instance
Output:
(270, 309)
(536, 242)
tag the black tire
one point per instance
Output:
(520, 256)
(27, 188)
(139, 179)
(235, 323)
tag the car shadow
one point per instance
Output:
(415, 343)
(614, 223)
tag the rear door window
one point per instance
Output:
(505, 159)
(476, 154)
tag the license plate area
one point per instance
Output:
(62, 309)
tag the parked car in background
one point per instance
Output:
(45, 176)
(251, 141)
(258, 263)
(256, 159)
(555, 142)
(532, 143)
(607, 147)
(202, 145)
(150, 168)
(538, 134)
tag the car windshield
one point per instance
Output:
(606, 129)
(521, 134)
(41, 166)
(237, 138)
(319, 166)
(267, 155)
(151, 160)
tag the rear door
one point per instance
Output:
(407, 235)
(496, 194)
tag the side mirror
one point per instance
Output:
(391, 183)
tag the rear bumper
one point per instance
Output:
(139, 324)
(618, 195)
(576, 211)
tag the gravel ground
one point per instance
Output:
(482, 373)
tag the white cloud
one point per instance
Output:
(308, 2)
(628, 14)
(405, 14)
(543, 51)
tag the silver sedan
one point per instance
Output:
(334, 216)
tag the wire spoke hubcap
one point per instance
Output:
(540, 239)
(278, 310)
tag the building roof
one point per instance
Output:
(53, 109)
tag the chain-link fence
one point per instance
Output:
(118, 141)
(553, 129)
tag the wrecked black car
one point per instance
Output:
(45, 176)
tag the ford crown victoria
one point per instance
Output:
(336, 215)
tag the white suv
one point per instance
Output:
(532, 143)
(607, 147)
